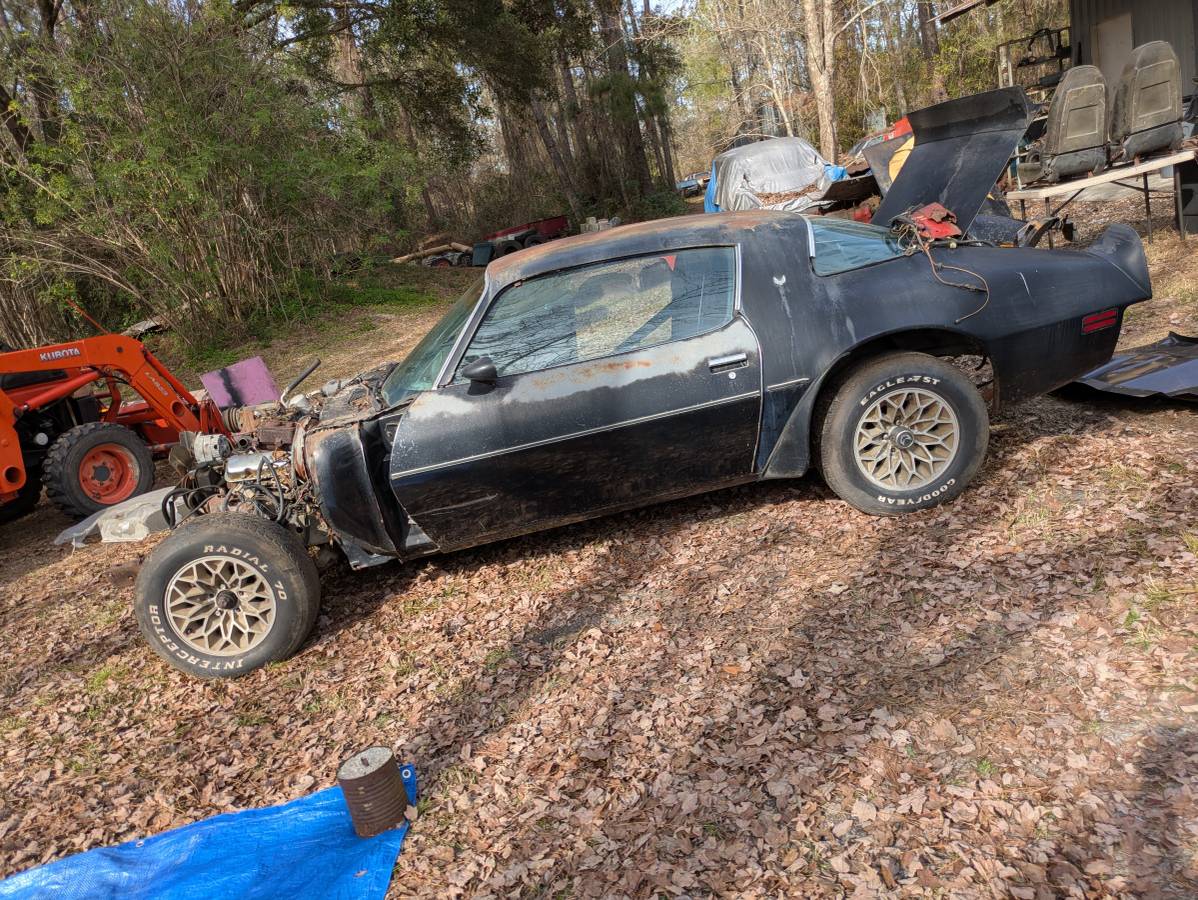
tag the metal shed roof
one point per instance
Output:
(1151, 20)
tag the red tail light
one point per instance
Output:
(1099, 320)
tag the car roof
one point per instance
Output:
(658, 235)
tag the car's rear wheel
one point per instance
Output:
(904, 432)
(226, 594)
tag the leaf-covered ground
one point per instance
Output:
(758, 692)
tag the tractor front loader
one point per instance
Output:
(64, 423)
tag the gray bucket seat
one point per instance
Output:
(1146, 107)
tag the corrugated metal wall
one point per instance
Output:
(1152, 20)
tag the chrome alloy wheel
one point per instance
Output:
(220, 606)
(906, 440)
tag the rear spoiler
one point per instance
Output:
(1121, 246)
(961, 148)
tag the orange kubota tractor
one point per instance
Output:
(65, 425)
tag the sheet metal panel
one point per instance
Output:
(1152, 20)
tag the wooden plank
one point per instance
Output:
(427, 251)
(1116, 174)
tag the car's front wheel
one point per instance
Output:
(226, 594)
(904, 432)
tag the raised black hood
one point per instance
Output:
(961, 148)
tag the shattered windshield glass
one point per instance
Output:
(418, 371)
(606, 308)
(842, 245)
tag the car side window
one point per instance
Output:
(841, 245)
(607, 308)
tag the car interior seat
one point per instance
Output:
(1075, 135)
(1145, 111)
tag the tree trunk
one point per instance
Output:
(347, 66)
(572, 112)
(821, 39)
(663, 125)
(430, 208)
(622, 95)
(11, 118)
(555, 157)
(929, 41)
(563, 135)
(667, 140)
(654, 136)
(45, 91)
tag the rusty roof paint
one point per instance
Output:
(641, 237)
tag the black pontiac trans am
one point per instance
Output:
(623, 368)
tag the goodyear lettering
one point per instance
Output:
(895, 382)
(914, 501)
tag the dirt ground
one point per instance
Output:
(758, 692)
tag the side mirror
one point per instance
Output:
(481, 370)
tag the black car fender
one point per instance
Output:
(339, 461)
(788, 453)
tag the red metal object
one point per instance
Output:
(898, 129)
(108, 474)
(166, 407)
(546, 228)
(936, 222)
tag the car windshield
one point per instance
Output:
(842, 245)
(418, 372)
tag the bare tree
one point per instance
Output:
(822, 27)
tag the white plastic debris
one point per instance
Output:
(134, 520)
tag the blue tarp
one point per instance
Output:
(302, 850)
(709, 204)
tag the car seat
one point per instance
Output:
(1146, 108)
(1074, 140)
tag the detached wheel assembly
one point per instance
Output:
(905, 432)
(226, 594)
(97, 465)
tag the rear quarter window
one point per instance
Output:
(841, 245)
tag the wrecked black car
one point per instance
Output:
(623, 368)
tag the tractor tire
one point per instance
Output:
(505, 248)
(226, 594)
(93, 466)
(904, 432)
(26, 499)
(533, 240)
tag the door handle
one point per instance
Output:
(731, 361)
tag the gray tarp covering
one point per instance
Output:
(776, 166)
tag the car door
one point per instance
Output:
(617, 384)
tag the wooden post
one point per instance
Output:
(1148, 207)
